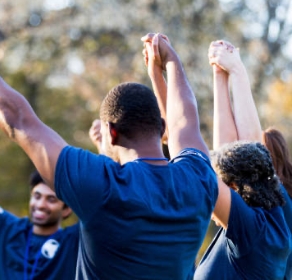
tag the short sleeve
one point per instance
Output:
(200, 165)
(245, 226)
(81, 180)
(192, 153)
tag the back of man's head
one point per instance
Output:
(133, 109)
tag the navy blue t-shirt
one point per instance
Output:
(57, 254)
(138, 221)
(255, 245)
(287, 209)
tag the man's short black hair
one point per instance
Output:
(133, 110)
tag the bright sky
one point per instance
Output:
(57, 4)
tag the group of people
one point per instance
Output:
(142, 216)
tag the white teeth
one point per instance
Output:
(39, 214)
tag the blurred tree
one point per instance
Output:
(278, 108)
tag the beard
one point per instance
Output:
(45, 224)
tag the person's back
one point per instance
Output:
(254, 246)
(140, 220)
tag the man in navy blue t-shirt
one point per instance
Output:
(38, 248)
(141, 217)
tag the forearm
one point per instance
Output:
(245, 112)
(224, 129)
(12, 110)
(181, 103)
(159, 87)
(160, 90)
(20, 123)
(182, 113)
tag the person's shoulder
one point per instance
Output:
(11, 221)
(71, 230)
(262, 216)
(8, 215)
(191, 153)
(71, 152)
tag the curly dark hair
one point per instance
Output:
(249, 165)
(133, 109)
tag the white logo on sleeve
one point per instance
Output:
(1, 210)
(50, 248)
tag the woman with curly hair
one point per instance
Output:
(254, 241)
(248, 168)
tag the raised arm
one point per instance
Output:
(224, 129)
(247, 125)
(245, 112)
(20, 123)
(181, 106)
(155, 72)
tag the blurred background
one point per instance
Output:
(65, 55)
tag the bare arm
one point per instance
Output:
(245, 118)
(223, 204)
(182, 113)
(155, 72)
(245, 113)
(181, 106)
(20, 123)
(224, 129)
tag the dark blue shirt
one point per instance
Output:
(255, 245)
(287, 209)
(138, 221)
(58, 254)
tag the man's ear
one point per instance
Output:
(113, 133)
(233, 186)
(66, 212)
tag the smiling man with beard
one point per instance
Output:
(38, 248)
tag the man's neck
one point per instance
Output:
(149, 148)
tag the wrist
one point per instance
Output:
(155, 72)
(170, 57)
(237, 70)
(220, 73)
